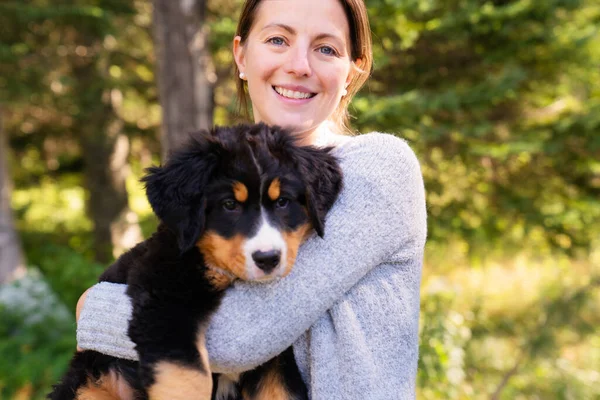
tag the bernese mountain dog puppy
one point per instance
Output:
(234, 203)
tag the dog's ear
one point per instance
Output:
(176, 191)
(318, 168)
(323, 181)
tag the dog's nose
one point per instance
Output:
(266, 260)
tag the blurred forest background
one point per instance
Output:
(500, 99)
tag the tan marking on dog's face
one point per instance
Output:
(240, 191)
(271, 388)
(175, 382)
(274, 189)
(94, 393)
(218, 280)
(293, 240)
(226, 254)
(109, 387)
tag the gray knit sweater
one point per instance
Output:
(350, 307)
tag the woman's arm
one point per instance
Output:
(380, 212)
(103, 320)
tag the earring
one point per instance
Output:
(344, 92)
(242, 76)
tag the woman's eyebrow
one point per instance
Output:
(291, 30)
(328, 36)
(279, 25)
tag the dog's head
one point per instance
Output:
(246, 196)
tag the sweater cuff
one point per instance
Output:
(104, 321)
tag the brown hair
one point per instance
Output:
(361, 48)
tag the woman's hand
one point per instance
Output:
(79, 307)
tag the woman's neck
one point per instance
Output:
(324, 135)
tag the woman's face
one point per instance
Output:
(297, 61)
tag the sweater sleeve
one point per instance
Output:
(104, 320)
(380, 212)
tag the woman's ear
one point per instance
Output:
(355, 68)
(239, 53)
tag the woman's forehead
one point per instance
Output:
(315, 17)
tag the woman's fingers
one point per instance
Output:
(79, 307)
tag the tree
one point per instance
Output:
(105, 149)
(11, 257)
(61, 64)
(186, 74)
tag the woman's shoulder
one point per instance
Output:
(378, 152)
(384, 169)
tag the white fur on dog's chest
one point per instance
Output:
(227, 386)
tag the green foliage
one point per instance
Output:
(500, 100)
(47, 106)
(444, 334)
(68, 273)
(521, 329)
(36, 338)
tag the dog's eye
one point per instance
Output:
(282, 202)
(229, 205)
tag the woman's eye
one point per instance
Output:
(282, 202)
(229, 205)
(277, 41)
(329, 51)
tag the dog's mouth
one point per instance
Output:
(222, 277)
(221, 271)
(293, 94)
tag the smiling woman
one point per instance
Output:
(303, 61)
(350, 306)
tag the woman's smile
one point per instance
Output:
(293, 94)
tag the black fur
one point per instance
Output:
(166, 274)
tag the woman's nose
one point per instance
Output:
(299, 62)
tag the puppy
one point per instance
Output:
(235, 203)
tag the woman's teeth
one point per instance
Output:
(290, 94)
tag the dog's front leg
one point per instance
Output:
(177, 378)
(170, 343)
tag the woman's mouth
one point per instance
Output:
(293, 94)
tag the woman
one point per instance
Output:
(350, 307)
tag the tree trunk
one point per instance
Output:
(185, 72)
(105, 150)
(11, 256)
